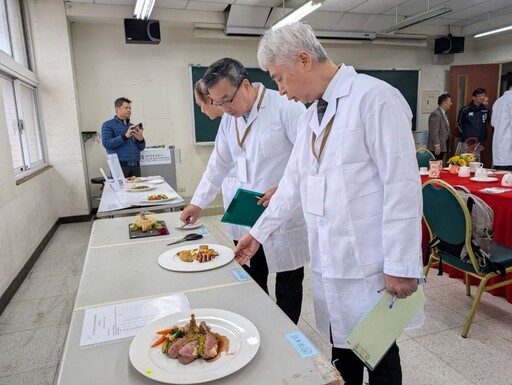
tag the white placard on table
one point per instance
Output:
(123, 320)
(115, 169)
(155, 156)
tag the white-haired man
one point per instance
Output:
(354, 169)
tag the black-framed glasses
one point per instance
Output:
(229, 101)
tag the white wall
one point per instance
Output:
(29, 210)
(107, 68)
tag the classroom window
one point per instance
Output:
(18, 90)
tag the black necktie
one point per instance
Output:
(320, 108)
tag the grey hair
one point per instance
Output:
(227, 68)
(280, 46)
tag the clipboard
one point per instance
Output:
(243, 209)
(372, 337)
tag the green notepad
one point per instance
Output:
(372, 337)
(243, 209)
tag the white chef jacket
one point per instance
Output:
(267, 149)
(501, 120)
(372, 207)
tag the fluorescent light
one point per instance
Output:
(299, 13)
(143, 9)
(418, 18)
(494, 31)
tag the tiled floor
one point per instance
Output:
(34, 325)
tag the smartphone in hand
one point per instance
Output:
(139, 126)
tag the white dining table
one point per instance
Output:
(126, 201)
(118, 269)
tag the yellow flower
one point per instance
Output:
(462, 159)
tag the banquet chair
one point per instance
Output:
(424, 156)
(448, 218)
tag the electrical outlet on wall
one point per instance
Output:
(181, 189)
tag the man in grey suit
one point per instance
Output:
(439, 128)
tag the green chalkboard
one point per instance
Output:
(205, 129)
(406, 81)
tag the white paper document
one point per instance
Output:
(113, 322)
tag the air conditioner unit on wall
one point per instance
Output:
(443, 58)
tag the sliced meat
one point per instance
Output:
(188, 352)
(211, 347)
(175, 347)
(204, 328)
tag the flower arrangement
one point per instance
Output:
(462, 159)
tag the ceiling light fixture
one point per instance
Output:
(143, 9)
(299, 13)
(493, 31)
(418, 18)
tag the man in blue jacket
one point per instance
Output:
(121, 137)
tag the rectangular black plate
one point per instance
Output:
(150, 233)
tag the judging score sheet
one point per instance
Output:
(123, 320)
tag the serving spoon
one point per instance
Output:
(188, 237)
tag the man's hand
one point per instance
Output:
(265, 199)
(246, 247)
(138, 133)
(190, 214)
(401, 287)
(131, 131)
(437, 149)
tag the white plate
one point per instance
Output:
(484, 179)
(155, 181)
(139, 180)
(170, 197)
(178, 225)
(140, 189)
(244, 342)
(170, 261)
(424, 173)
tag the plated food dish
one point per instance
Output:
(188, 258)
(140, 187)
(238, 342)
(135, 179)
(159, 197)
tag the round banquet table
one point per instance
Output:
(502, 207)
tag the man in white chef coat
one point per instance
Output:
(354, 171)
(255, 139)
(501, 120)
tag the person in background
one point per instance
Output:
(121, 137)
(254, 142)
(439, 128)
(354, 170)
(205, 103)
(472, 119)
(502, 122)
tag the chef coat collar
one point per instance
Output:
(254, 110)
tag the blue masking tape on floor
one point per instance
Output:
(301, 344)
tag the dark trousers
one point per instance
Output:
(506, 168)
(130, 170)
(387, 372)
(288, 284)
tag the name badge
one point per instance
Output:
(242, 169)
(315, 195)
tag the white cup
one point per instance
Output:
(464, 171)
(480, 172)
(423, 170)
(474, 165)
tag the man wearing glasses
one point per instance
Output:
(254, 142)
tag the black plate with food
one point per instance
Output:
(159, 228)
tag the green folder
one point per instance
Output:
(243, 209)
(372, 337)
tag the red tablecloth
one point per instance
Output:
(502, 207)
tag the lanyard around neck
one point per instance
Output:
(241, 142)
(324, 139)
